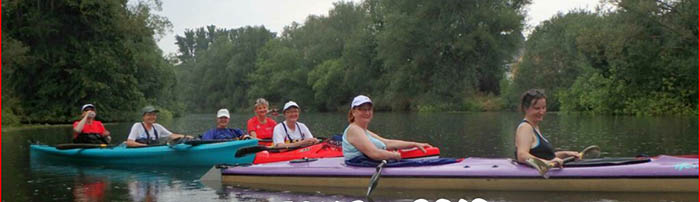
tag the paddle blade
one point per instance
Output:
(249, 150)
(540, 165)
(374, 180)
(590, 152)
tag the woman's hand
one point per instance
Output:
(309, 142)
(395, 155)
(557, 162)
(421, 146)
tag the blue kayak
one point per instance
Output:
(176, 155)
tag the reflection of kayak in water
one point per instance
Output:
(116, 173)
(105, 183)
(659, 174)
(184, 154)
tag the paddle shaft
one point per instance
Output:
(375, 178)
(255, 149)
(80, 146)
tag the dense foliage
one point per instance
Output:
(632, 57)
(639, 58)
(63, 54)
(408, 55)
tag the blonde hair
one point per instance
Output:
(261, 101)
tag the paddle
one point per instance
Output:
(80, 146)
(592, 151)
(172, 142)
(255, 149)
(375, 178)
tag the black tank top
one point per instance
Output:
(543, 150)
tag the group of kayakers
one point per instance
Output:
(358, 141)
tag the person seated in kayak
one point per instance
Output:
(222, 132)
(261, 126)
(529, 142)
(360, 142)
(148, 132)
(89, 130)
(291, 133)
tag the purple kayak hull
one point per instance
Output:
(662, 173)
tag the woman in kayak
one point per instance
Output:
(222, 131)
(89, 130)
(148, 132)
(261, 126)
(291, 133)
(529, 142)
(360, 142)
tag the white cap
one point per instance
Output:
(86, 106)
(359, 100)
(289, 104)
(222, 113)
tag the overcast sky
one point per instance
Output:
(275, 14)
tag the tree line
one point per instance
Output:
(636, 57)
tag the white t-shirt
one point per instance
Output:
(278, 134)
(137, 132)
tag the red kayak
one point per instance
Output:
(327, 150)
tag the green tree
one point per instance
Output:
(82, 51)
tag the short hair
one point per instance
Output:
(261, 101)
(530, 95)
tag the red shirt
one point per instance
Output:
(94, 127)
(263, 131)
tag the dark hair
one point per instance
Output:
(351, 118)
(529, 96)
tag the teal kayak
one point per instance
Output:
(176, 155)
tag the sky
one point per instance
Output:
(276, 14)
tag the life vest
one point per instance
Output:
(148, 139)
(288, 139)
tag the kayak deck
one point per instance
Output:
(662, 174)
(177, 155)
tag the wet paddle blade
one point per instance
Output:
(541, 166)
(375, 178)
(590, 152)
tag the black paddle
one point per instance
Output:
(592, 151)
(375, 178)
(255, 149)
(80, 146)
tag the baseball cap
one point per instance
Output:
(289, 104)
(359, 100)
(87, 106)
(222, 113)
(148, 109)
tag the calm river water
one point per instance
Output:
(457, 135)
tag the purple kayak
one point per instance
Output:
(660, 174)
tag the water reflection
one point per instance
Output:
(100, 183)
(457, 135)
(88, 188)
